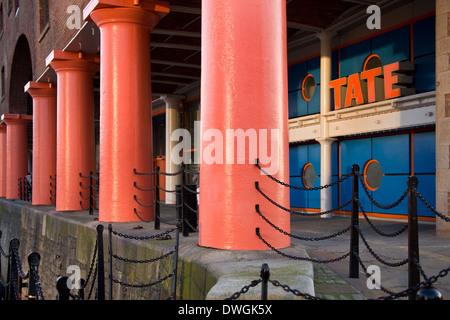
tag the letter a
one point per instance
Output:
(74, 21)
(374, 21)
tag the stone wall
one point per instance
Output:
(443, 114)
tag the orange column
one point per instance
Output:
(243, 87)
(75, 145)
(2, 160)
(44, 139)
(16, 151)
(125, 106)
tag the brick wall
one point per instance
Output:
(42, 37)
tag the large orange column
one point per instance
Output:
(125, 106)
(243, 86)
(2, 160)
(44, 139)
(75, 150)
(16, 151)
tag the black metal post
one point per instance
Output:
(175, 264)
(33, 260)
(184, 224)
(157, 206)
(413, 236)
(13, 273)
(110, 260)
(265, 275)
(100, 265)
(354, 236)
(61, 287)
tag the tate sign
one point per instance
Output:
(381, 83)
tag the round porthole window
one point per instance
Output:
(372, 174)
(309, 175)
(372, 61)
(308, 87)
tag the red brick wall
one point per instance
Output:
(29, 21)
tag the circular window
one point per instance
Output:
(373, 61)
(373, 174)
(309, 175)
(308, 87)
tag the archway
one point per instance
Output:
(21, 72)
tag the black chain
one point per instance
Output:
(144, 237)
(425, 202)
(38, 283)
(394, 234)
(302, 188)
(143, 261)
(299, 237)
(299, 212)
(143, 285)
(397, 264)
(396, 203)
(368, 275)
(300, 258)
(295, 292)
(244, 289)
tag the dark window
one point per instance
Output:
(2, 87)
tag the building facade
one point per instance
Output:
(350, 85)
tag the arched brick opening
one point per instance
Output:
(21, 72)
(21, 102)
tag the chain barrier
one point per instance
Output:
(25, 188)
(12, 288)
(413, 266)
(161, 236)
(92, 197)
(186, 206)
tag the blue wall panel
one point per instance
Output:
(296, 73)
(425, 73)
(392, 46)
(392, 152)
(423, 36)
(424, 152)
(353, 57)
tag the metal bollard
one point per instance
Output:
(354, 236)
(157, 206)
(13, 290)
(265, 275)
(100, 265)
(413, 236)
(61, 287)
(34, 260)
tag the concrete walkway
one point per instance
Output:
(331, 280)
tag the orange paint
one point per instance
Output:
(370, 75)
(244, 86)
(2, 159)
(44, 139)
(75, 150)
(125, 106)
(336, 85)
(354, 90)
(17, 151)
(390, 80)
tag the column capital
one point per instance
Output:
(158, 8)
(326, 140)
(16, 118)
(77, 61)
(326, 35)
(172, 98)
(40, 89)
